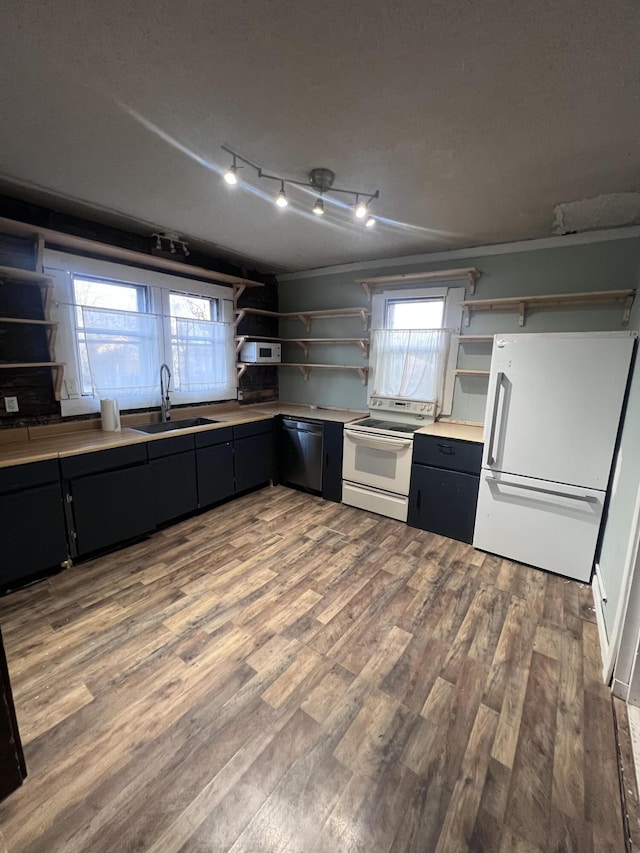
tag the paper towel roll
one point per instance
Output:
(110, 414)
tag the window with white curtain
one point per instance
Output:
(411, 353)
(118, 324)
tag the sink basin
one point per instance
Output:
(170, 426)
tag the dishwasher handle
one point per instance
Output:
(302, 426)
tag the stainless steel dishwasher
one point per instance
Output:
(301, 453)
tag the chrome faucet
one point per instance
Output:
(165, 402)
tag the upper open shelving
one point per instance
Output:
(470, 273)
(306, 317)
(305, 343)
(552, 300)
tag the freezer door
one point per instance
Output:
(544, 524)
(554, 405)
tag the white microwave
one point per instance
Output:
(260, 352)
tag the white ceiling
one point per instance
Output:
(474, 120)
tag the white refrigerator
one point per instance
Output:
(553, 412)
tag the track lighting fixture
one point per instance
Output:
(321, 180)
(281, 198)
(231, 175)
(171, 240)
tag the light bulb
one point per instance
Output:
(370, 222)
(361, 210)
(281, 198)
(318, 208)
(231, 175)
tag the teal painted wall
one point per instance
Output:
(609, 265)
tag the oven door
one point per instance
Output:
(382, 462)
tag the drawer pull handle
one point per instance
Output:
(419, 500)
(447, 449)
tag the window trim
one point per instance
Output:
(62, 266)
(453, 294)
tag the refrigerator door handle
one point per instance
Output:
(574, 494)
(491, 459)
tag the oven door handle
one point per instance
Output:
(379, 443)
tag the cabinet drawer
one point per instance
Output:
(103, 460)
(449, 453)
(213, 436)
(254, 428)
(24, 476)
(169, 446)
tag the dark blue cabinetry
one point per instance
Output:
(445, 476)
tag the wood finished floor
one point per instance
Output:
(286, 674)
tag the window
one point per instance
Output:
(105, 334)
(414, 313)
(198, 343)
(411, 356)
(118, 324)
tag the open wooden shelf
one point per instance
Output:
(56, 366)
(472, 339)
(470, 273)
(305, 343)
(464, 372)
(306, 368)
(25, 276)
(44, 282)
(305, 317)
(552, 300)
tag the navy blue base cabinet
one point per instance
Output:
(32, 529)
(445, 477)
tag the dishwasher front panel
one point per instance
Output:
(301, 454)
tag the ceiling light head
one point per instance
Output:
(360, 209)
(281, 198)
(318, 207)
(370, 222)
(231, 175)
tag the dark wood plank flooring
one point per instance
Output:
(285, 674)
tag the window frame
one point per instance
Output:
(62, 267)
(451, 320)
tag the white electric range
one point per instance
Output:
(376, 467)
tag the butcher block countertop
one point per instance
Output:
(445, 429)
(21, 446)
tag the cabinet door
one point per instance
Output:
(112, 507)
(215, 473)
(253, 460)
(332, 462)
(443, 502)
(32, 532)
(175, 490)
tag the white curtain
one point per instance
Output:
(409, 363)
(122, 351)
(203, 356)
